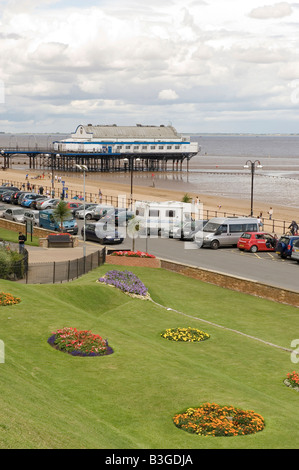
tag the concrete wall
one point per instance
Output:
(234, 283)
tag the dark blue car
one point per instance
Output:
(285, 245)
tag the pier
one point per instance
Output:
(47, 158)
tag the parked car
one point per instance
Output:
(6, 186)
(102, 233)
(88, 205)
(118, 217)
(3, 208)
(6, 197)
(101, 210)
(15, 214)
(31, 215)
(28, 199)
(257, 241)
(47, 220)
(285, 245)
(73, 205)
(295, 251)
(33, 203)
(47, 204)
(25, 195)
(14, 198)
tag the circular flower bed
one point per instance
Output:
(189, 334)
(211, 419)
(292, 380)
(79, 343)
(126, 281)
(133, 254)
(8, 299)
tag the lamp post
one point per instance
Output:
(84, 169)
(126, 160)
(252, 166)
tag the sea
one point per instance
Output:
(218, 169)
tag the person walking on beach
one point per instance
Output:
(100, 195)
(270, 212)
(22, 239)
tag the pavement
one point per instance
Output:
(38, 254)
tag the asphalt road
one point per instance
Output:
(264, 267)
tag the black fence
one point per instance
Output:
(64, 271)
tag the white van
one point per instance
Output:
(161, 217)
(222, 231)
(31, 215)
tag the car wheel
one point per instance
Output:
(215, 244)
(88, 217)
(253, 249)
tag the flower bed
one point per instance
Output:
(292, 380)
(79, 343)
(126, 281)
(211, 419)
(133, 258)
(133, 254)
(189, 334)
(8, 299)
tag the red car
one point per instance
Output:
(257, 241)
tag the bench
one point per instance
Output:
(60, 241)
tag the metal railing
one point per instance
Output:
(274, 225)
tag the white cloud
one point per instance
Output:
(278, 10)
(68, 61)
(168, 95)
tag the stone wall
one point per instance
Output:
(234, 283)
(17, 227)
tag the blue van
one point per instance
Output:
(46, 220)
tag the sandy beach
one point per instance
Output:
(149, 193)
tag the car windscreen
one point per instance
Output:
(247, 236)
(284, 240)
(211, 227)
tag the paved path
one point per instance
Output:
(39, 254)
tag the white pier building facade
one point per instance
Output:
(123, 140)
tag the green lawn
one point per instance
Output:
(12, 236)
(50, 399)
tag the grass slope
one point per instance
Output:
(126, 400)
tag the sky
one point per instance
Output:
(203, 66)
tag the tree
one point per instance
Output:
(61, 213)
(186, 198)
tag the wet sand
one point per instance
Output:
(147, 192)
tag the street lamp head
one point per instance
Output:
(246, 166)
(81, 167)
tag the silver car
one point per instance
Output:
(16, 214)
(295, 251)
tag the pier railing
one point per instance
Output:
(279, 227)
